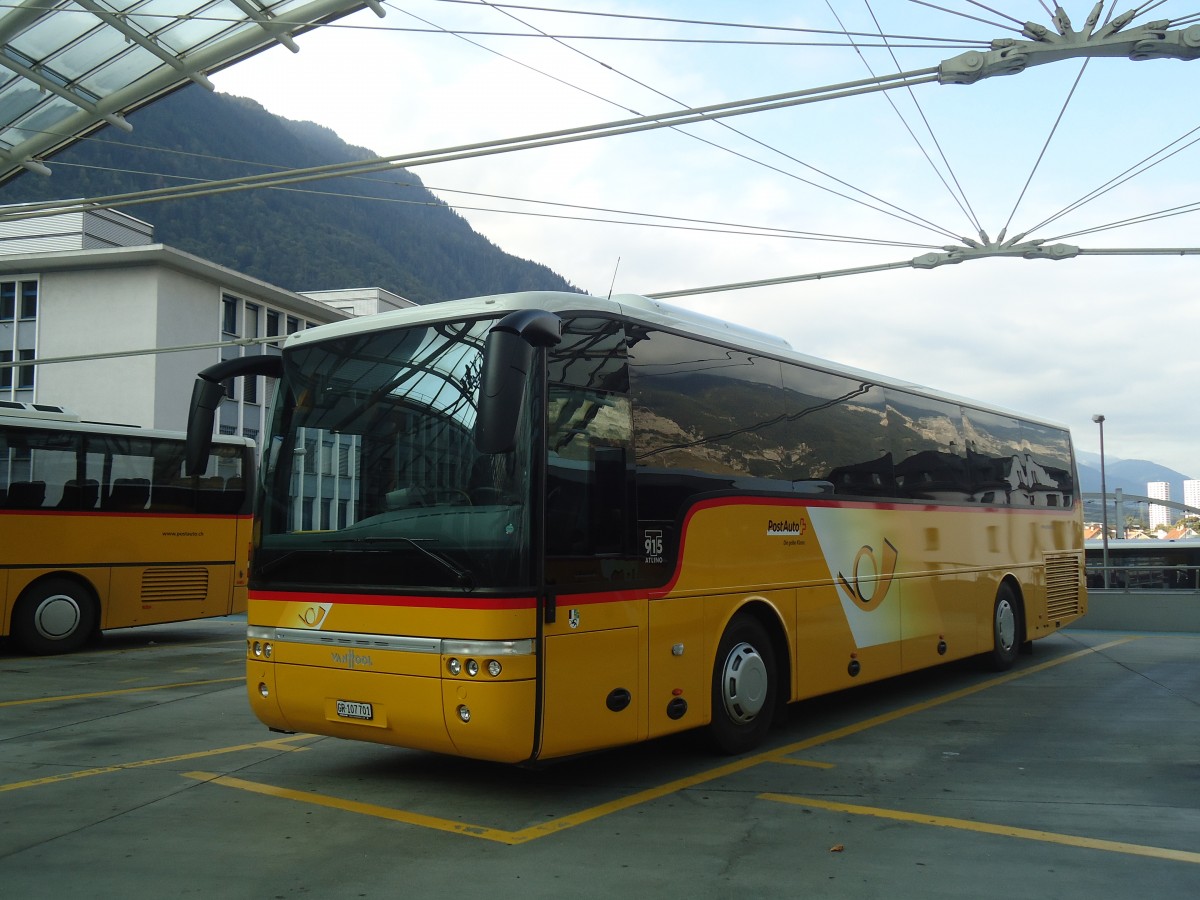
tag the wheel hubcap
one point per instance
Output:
(744, 683)
(1006, 624)
(57, 617)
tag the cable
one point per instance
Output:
(717, 24)
(486, 148)
(686, 224)
(964, 208)
(905, 216)
(1041, 155)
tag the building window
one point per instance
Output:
(293, 324)
(29, 299)
(229, 314)
(272, 323)
(22, 376)
(25, 373)
(250, 389)
(8, 300)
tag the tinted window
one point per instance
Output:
(707, 410)
(1048, 465)
(591, 355)
(836, 434)
(589, 453)
(928, 448)
(994, 451)
(76, 472)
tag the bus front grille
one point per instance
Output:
(1064, 573)
(175, 583)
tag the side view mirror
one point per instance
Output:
(206, 397)
(508, 356)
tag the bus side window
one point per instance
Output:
(587, 473)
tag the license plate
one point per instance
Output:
(352, 709)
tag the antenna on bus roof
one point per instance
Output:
(614, 278)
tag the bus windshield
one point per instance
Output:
(372, 478)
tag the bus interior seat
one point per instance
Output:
(25, 495)
(80, 494)
(129, 494)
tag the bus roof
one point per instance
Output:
(636, 308)
(61, 419)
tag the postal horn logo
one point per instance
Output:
(870, 578)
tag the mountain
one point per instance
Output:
(384, 230)
(1130, 475)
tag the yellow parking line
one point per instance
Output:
(1028, 834)
(152, 687)
(803, 762)
(272, 744)
(554, 826)
(366, 809)
(885, 718)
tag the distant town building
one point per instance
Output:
(1159, 515)
(93, 287)
(1191, 492)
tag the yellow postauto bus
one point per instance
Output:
(100, 528)
(532, 525)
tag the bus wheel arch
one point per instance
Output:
(1008, 625)
(55, 614)
(749, 680)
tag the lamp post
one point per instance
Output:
(1099, 420)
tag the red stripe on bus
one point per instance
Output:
(137, 514)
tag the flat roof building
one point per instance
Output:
(118, 326)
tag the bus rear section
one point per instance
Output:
(102, 529)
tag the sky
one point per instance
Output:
(850, 182)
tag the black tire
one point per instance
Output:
(744, 687)
(56, 615)
(1007, 629)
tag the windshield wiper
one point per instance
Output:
(462, 577)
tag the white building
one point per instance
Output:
(1191, 493)
(92, 297)
(1159, 515)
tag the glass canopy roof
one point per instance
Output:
(68, 67)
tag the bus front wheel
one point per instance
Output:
(56, 615)
(744, 687)
(1006, 629)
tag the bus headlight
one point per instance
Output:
(464, 713)
(472, 668)
(453, 665)
(256, 647)
(493, 667)
(262, 690)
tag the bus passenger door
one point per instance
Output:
(592, 671)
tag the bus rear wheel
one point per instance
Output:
(1006, 629)
(744, 687)
(56, 615)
